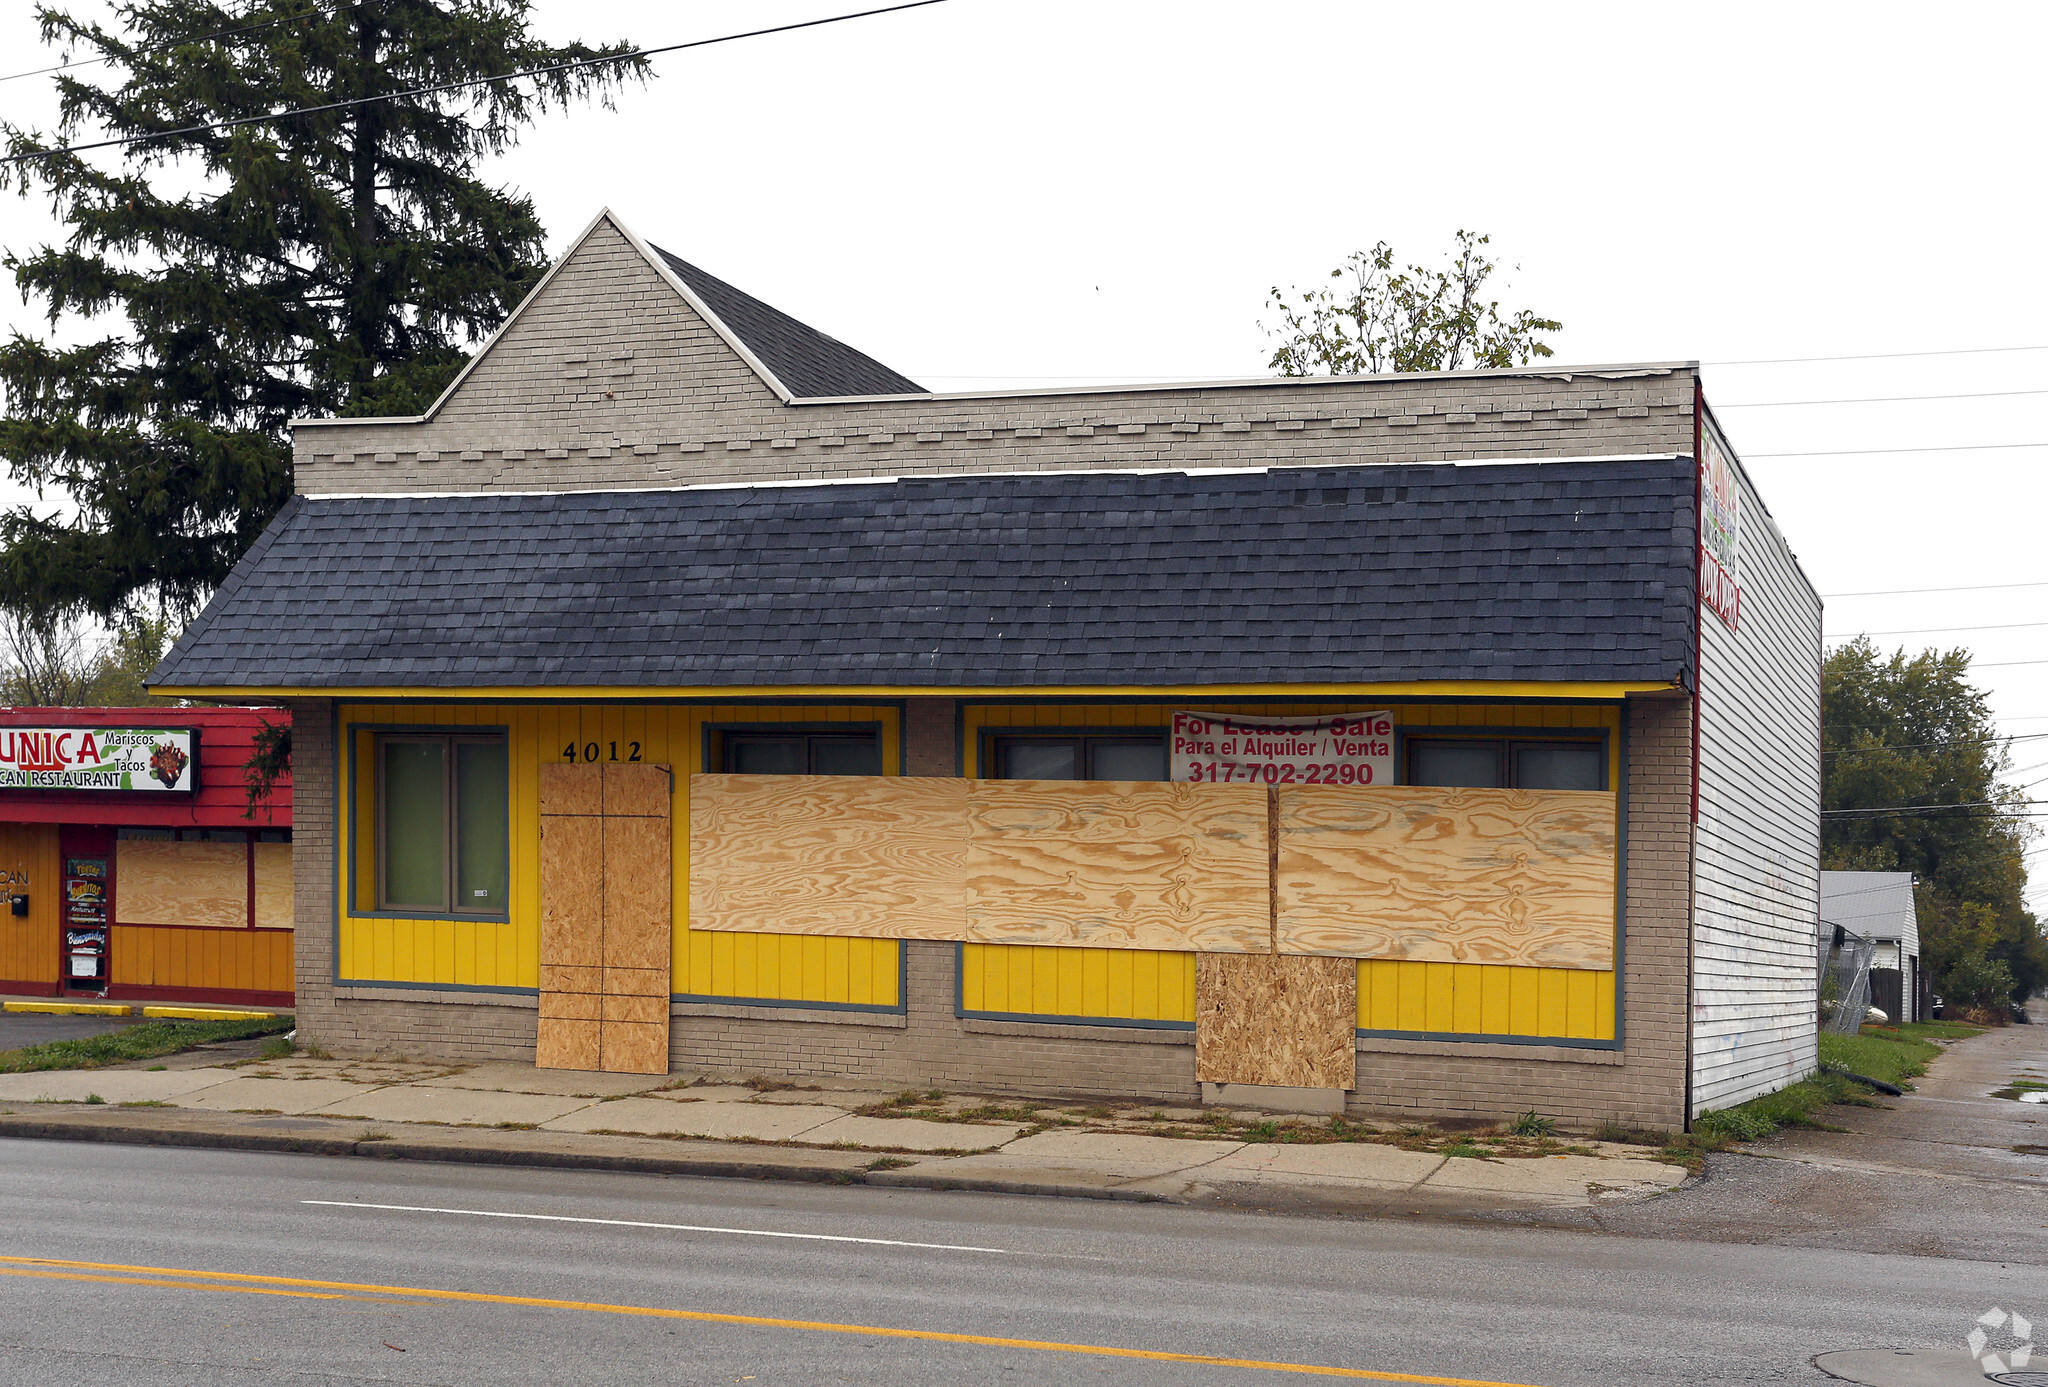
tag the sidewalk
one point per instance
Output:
(513, 1114)
(1952, 1169)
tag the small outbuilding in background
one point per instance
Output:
(1879, 906)
(132, 864)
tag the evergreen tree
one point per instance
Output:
(334, 262)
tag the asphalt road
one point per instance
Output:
(34, 1028)
(168, 1232)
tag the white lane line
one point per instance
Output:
(673, 1227)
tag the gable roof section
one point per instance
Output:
(1548, 571)
(1876, 905)
(793, 359)
(811, 364)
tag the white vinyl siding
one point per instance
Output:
(1756, 884)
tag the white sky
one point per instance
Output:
(988, 192)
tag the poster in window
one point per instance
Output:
(1720, 532)
(1330, 749)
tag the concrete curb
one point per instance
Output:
(86, 1127)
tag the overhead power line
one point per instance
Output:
(1937, 630)
(1922, 746)
(1873, 356)
(467, 82)
(1877, 399)
(1872, 452)
(1900, 810)
(1907, 592)
(195, 38)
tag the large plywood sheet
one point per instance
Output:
(638, 791)
(630, 1048)
(646, 1011)
(274, 909)
(1448, 876)
(566, 788)
(159, 881)
(638, 904)
(572, 891)
(564, 1044)
(637, 982)
(1121, 864)
(556, 977)
(1279, 1019)
(873, 856)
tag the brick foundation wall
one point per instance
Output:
(928, 1046)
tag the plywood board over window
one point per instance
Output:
(160, 881)
(1448, 875)
(870, 856)
(274, 909)
(1277, 1019)
(1123, 863)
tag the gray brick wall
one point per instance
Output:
(611, 380)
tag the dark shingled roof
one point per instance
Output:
(1545, 571)
(811, 364)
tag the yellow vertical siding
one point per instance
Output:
(479, 953)
(1445, 998)
(1485, 999)
(1048, 980)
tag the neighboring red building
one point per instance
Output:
(129, 862)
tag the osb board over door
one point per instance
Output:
(571, 917)
(606, 938)
(1279, 1019)
(159, 881)
(1448, 875)
(1118, 863)
(878, 857)
(638, 926)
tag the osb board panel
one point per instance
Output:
(1275, 1019)
(647, 1011)
(642, 791)
(557, 977)
(1121, 864)
(1448, 876)
(158, 881)
(636, 982)
(571, 1006)
(628, 1048)
(874, 856)
(638, 905)
(572, 890)
(571, 789)
(274, 886)
(567, 1045)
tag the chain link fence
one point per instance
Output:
(1845, 984)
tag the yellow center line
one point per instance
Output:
(325, 1290)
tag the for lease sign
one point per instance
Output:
(96, 758)
(1334, 749)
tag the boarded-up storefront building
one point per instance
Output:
(134, 865)
(688, 689)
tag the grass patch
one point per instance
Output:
(143, 1042)
(887, 1163)
(1530, 1125)
(1891, 1053)
(149, 1103)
